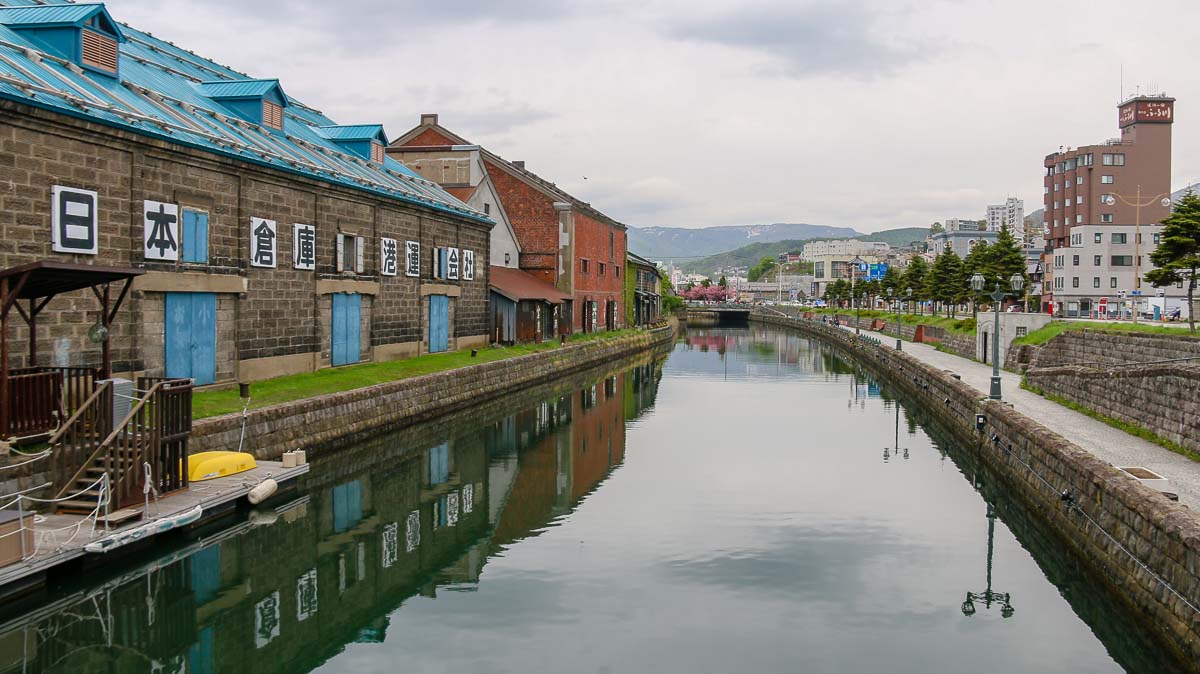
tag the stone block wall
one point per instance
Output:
(314, 422)
(270, 321)
(1146, 547)
(1164, 399)
(1115, 348)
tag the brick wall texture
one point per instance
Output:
(1163, 535)
(280, 313)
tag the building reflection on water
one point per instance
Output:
(288, 588)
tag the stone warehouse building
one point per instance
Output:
(273, 240)
(562, 240)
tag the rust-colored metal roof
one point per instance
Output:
(461, 193)
(47, 278)
(517, 285)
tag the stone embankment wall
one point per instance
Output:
(350, 415)
(1146, 547)
(1090, 347)
(1163, 399)
(19, 472)
(961, 345)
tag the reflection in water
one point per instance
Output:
(291, 587)
(724, 511)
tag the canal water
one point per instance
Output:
(752, 502)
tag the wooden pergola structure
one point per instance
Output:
(34, 399)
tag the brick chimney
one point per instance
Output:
(429, 119)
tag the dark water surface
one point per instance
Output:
(753, 504)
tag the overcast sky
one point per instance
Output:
(698, 113)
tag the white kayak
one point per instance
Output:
(158, 526)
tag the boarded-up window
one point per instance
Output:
(272, 115)
(99, 51)
(377, 153)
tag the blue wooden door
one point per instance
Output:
(346, 329)
(190, 336)
(439, 323)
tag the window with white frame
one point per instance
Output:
(351, 253)
(1107, 180)
(1106, 217)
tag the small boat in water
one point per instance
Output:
(210, 465)
(152, 528)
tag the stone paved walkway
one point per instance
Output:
(1110, 444)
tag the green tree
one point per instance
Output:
(936, 228)
(892, 278)
(942, 285)
(705, 283)
(978, 261)
(1178, 255)
(724, 282)
(914, 277)
(759, 270)
(670, 301)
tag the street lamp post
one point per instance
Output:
(1017, 282)
(1138, 202)
(989, 596)
(853, 292)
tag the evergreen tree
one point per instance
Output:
(1178, 255)
(1007, 259)
(724, 282)
(914, 277)
(943, 281)
(978, 261)
(894, 280)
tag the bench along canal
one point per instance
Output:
(752, 503)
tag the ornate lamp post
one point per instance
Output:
(1017, 282)
(853, 291)
(988, 596)
(1137, 202)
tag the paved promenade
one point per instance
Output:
(1110, 444)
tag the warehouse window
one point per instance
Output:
(272, 115)
(99, 51)
(350, 253)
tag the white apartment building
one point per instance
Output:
(847, 248)
(1099, 263)
(960, 225)
(1010, 213)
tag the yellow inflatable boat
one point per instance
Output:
(210, 465)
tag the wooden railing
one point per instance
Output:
(154, 432)
(74, 444)
(171, 411)
(41, 398)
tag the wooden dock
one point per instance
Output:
(61, 538)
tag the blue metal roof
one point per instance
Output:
(354, 132)
(160, 93)
(239, 88)
(54, 15)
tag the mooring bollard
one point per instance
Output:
(243, 389)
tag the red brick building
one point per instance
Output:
(563, 240)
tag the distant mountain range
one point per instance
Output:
(664, 243)
(748, 255)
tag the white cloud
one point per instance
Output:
(864, 114)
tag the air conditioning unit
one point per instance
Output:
(123, 397)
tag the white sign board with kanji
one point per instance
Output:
(304, 246)
(389, 257)
(74, 219)
(412, 258)
(161, 231)
(468, 265)
(263, 241)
